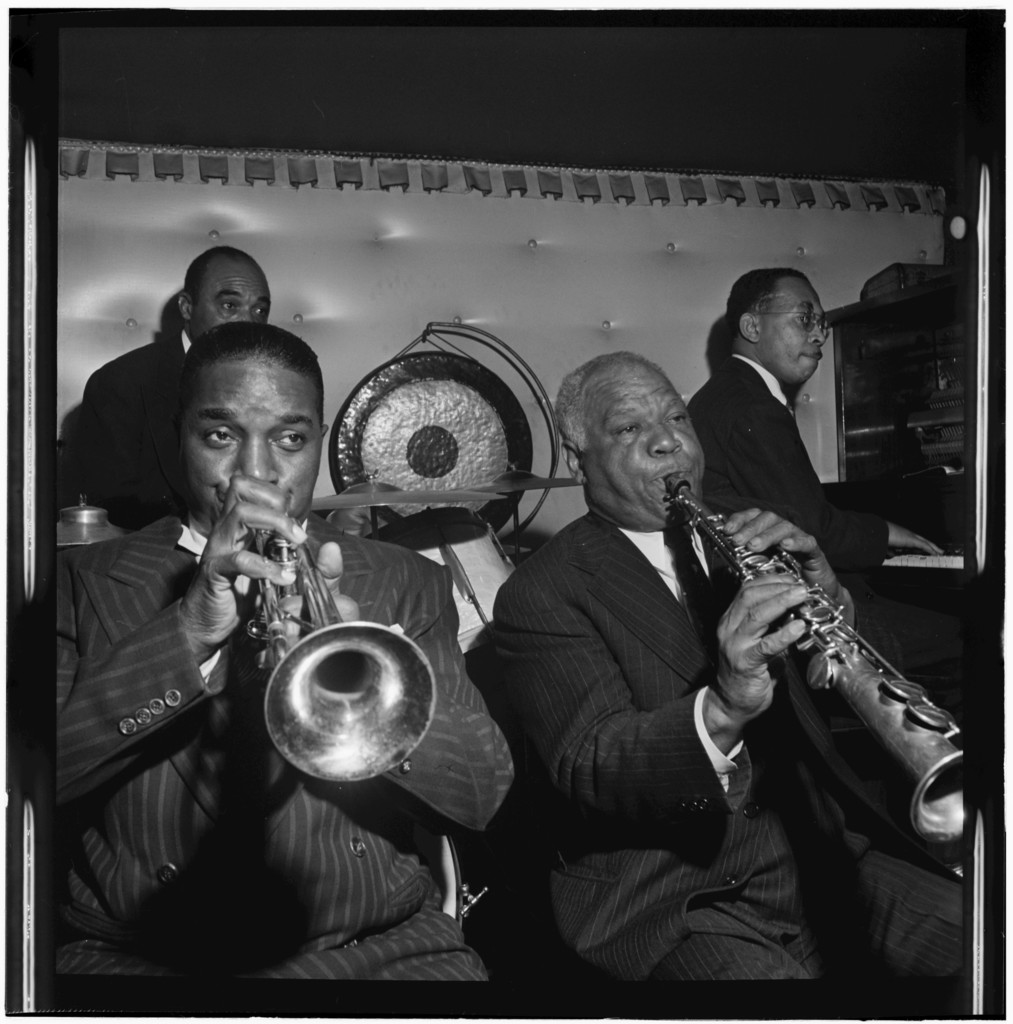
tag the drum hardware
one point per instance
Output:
(514, 480)
(467, 591)
(376, 494)
(439, 852)
(85, 524)
(469, 547)
(521, 480)
(467, 900)
(346, 700)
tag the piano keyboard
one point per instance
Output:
(917, 561)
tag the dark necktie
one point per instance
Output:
(697, 593)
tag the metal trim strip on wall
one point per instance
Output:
(278, 169)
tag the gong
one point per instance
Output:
(431, 420)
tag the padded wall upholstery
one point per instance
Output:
(359, 272)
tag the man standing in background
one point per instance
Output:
(124, 452)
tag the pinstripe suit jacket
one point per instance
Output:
(308, 879)
(602, 669)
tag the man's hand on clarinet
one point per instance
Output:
(762, 531)
(752, 632)
(749, 638)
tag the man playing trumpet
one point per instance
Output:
(707, 829)
(196, 849)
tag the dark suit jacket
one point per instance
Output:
(602, 669)
(752, 448)
(124, 455)
(143, 775)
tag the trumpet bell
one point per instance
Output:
(350, 701)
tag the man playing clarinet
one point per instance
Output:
(706, 827)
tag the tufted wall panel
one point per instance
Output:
(362, 253)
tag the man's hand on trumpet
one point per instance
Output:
(213, 607)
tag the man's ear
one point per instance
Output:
(185, 307)
(573, 461)
(323, 431)
(749, 327)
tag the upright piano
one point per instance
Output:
(932, 505)
(900, 366)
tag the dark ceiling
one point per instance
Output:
(839, 95)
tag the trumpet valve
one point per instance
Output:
(257, 630)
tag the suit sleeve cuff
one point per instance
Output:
(207, 667)
(722, 763)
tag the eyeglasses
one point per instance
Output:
(806, 317)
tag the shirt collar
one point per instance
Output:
(652, 546)
(191, 541)
(768, 378)
(186, 341)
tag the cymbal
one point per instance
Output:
(375, 492)
(521, 480)
(85, 524)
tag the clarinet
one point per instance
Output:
(899, 713)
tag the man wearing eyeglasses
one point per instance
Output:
(744, 419)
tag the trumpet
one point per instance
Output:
(345, 700)
(917, 733)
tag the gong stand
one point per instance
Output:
(434, 414)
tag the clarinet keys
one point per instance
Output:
(919, 735)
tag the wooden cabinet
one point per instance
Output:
(899, 363)
(900, 368)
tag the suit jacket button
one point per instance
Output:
(173, 697)
(127, 726)
(143, 716)
(751, 810)
(157, 706)
(357, 846)
(167, 873)
(731, 880)
(405, 766)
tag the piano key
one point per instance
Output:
(916, 561)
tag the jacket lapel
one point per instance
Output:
(630, 588)
(154, 572)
